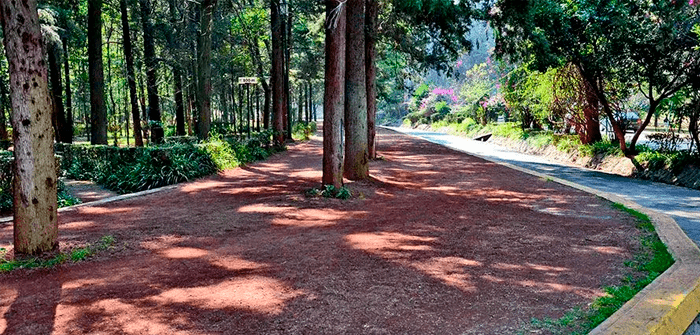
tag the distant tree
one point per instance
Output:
(130, 74)
(371, 18)
(98, 110)
(204, 66)
(277, 74)
(334, 94)
(149, 55)
(34, 185)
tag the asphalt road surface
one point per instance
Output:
(682, 204)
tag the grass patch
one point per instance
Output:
(74, 256)
(651, 260)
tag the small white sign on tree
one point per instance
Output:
(248, 80)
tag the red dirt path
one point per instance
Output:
(438, 242)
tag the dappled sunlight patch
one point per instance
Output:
(80, 283)
(184, 253)
(233, 263)
(311, 217)
(453, 271)
(384, 241)
(264, 208)
(545, 287)
(78, 225)
(7, 298)
(114, 315)
(253, 293)
(607, 250)
(203, 185)
(96, 210)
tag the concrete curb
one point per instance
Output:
(105, 201)
(672, 301)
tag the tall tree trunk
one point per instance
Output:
(98, 110)
(130, 74)
(149, 57)
(287, 31)
(356, 156)
(59, 112)
(334, 93)
(69, 96)
(4, 105)
(34, 186)
(277, 73)
(204, 66)
(371, 68)
(177, 73)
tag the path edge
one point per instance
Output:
(672, 301)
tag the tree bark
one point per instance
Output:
(69, 96)
(356, 156)
(34, 185)
(277, 73)
(98, 110)
(204, 66)
(149, 57)
(177, 74)
(334, 93)
(287, 31)
(130, 74)
(371, 69)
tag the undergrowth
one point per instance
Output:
(648, 263)
(74, 256)
(330, 191)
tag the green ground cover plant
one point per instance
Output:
(74, 256)
(648, 263)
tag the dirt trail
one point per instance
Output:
(438, 242)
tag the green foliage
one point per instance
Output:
(74, 255)
(603, 147)
(674, 161)
(652, 260)
(127, 170)
(303, 131)
(329, 191)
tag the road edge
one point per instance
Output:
(672, 301)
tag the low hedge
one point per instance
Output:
(126, 170)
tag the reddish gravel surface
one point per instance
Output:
(438, 242)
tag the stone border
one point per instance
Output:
(9, 219)
(672, 301)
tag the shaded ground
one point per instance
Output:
(438, 243)
(88, 191)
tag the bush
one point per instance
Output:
(674, 161)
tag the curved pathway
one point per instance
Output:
(682, 204)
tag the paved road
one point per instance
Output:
(683, 204)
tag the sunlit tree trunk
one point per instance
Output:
(98, 111)
(334, 94)
(356, 156)
(34, 186)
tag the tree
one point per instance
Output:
(371, 73)
(4, 105)
(130, 74)
(204, 65)
(98, 111)
(277, 73)
(177, 72)
(334, 94)
(34, 185)
(356, 165)
(149, 55)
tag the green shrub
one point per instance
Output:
(674, 161)
(303, 131)
(602, 147)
